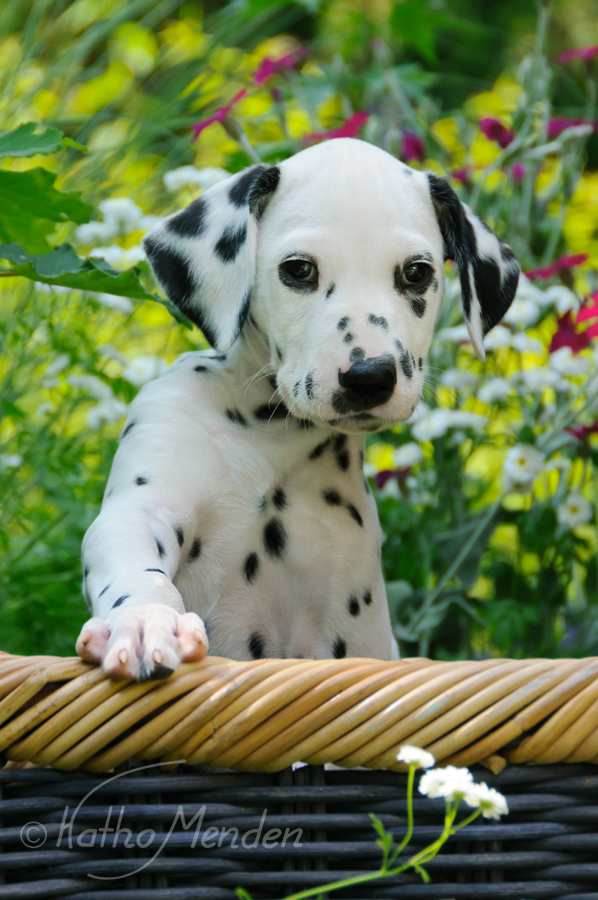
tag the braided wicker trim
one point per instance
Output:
(269, 713)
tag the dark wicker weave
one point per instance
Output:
(546, 847)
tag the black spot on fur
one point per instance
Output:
(221, 357)
(238, 194)
(103, 591)
(420, 362)
(173, 273)
(120, 600)
(160, 546)
(309, 386)
(140, 480)
(361, 458)
(339, 648)
(406, 365)
(279, 352)
(342, 323)
(161, 571)
(265, 184)
(379, 321)
(271, 379)
(275, 538)
(296, 388)
(180, 537)
(349, 337)
(243, 312)
(279, 498)
(330, 292)
(201, 368)
(251, 567)
(256, 645)
(367, 598)
(332, 497)
(230, 243)
(235, 416)
(263, 503)
(319, 449)
(341, 454)
(195, 550)
(127, 429)
(191, 222)
(355, 514)
(354, 607)
(306, 423)
(367, 487)
(356, 353)
(418, 305)
(265, 412)
(86, 572)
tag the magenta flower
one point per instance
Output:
(565, 262)
(462, 175)
(557, 126)
(269, 67)
(518, 171)
(566, 335)
(349, 129)
(218, 116)
(577, 53)
(413, 147)
(494, 130)
(381, 478)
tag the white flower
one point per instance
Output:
(147, 222)
(490, 801)
(561, 298)
(122, 304)
(450, 783)
(498, 337)
(133, 255)
(540, 377)
(95, 386)
(114, 255)
(437, 422)
(144, 369)
(408, 455)
(107, 411)
(494, 389)
(522, 312)
(189, 175)
(566, 362)
(44, 409)
(93, 232)
(574, 511)
(521, 466)
(52, 288)
(527, 290)
(10, 460)
(390, 489)
(455, 335)
(57, 365)
(458, 379)
(415, 756)
(526, 344)
(120, 214)
(369, 470)
(112, 353)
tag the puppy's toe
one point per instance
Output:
(122, 659)
(192, 637)
(93, 640)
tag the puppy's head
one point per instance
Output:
(338, 256)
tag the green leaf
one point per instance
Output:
(30, 206)
(69, 142)
(63, 267)
(23, 142)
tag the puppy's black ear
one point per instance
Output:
(204, 257)
(488, 269)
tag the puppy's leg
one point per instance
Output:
(140, 628)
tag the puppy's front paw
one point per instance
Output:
(143, 641)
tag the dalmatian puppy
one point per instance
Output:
(237, 506)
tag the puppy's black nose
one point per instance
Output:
(369, 382)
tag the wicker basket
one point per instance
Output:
(257, 718)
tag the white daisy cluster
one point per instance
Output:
(521, 466)
(189, 176)
(415, 756)
(120, 216)
(109, 409)
(454, 784)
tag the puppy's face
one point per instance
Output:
(349, 284)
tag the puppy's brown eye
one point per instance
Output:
(417, 273)
(301, 270)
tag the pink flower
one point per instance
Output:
(583, 431)
(218, 116)
(350, 129)
(577, 53)
(557, 126)
(589, 312)
(494, 130)
(518, 171)
(380, 478)
(567, 336)
(413, 147)
(269, 67)
(565, 262)
(463, 175)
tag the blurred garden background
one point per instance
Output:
(488, 496)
